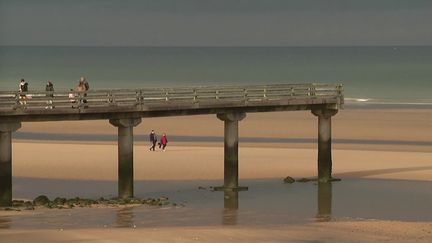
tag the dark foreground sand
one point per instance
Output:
(357, 231)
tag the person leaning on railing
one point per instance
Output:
(81, 90)
(49, 88)
(72, 97)
(83, 87)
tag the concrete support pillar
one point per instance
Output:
(324, 143)
(231, 139)
(125, 155)
(6, 130)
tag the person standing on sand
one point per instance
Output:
(163, 142)
(153, 140)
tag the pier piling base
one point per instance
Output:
(231, 205)
(231, 139)
(125, 155)
(6, 130)
(324, 201)
(324, 143)
(231, 200)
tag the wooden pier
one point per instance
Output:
(125, 108)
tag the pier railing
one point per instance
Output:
(146, 98)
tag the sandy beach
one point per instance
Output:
(99, 162)
(204, 161)
(404, 125)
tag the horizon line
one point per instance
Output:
(223, 46)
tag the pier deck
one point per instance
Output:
(151, 102)
(124, 108)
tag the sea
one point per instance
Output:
(267, 203)
(378, 74)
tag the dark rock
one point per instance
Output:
(28, 204)
(60, 201)
(123, 201)
(73, 200)
(303, 180)
(29, 207)
(41, 200)
(135, 201)
(85, 202)
(18, 203)
(288, 179)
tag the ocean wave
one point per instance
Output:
(357, 99)
(382, 103)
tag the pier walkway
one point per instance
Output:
(125, 108)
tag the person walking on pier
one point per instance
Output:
(163, 142)
(72, 98)
(82, 88)
(85, 83)
(153, 140)
(49, 88)
(23, 89)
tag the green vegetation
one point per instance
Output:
(64, 203)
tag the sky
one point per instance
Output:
(215, 22)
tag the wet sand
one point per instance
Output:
(203, 161)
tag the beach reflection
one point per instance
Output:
(324, 202)
(125, 217)
(268, 202)
(5, 222)
(231, 204)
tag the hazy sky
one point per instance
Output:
(215, 22)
